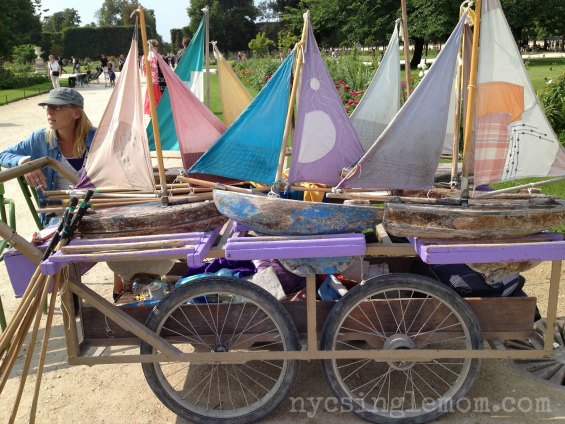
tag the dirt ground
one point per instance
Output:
(119, 393)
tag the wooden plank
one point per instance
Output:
(488, 253)
(498, 317)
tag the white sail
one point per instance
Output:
(381, 100)
(513, 138)
(407, 153)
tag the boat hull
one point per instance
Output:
(278, 216)
(481, 220)
(151, 218)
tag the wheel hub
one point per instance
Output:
(221, 348)
(399, 341)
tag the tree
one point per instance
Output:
(232, 23)
(118, 13)
(19, 24)
(261, 44)
(23, 54)
(61, 20)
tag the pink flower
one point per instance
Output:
(342, 82)
(354, 93)
(350, 102)
(347, 88)
(347, 109)
(355, 102)
(267, 77)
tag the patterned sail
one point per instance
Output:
(234, 95)
(190, 70)
(119, 154)
(407, 153)
(324, 138)
(381, 100)
(197, 128)
(513, 138)
(249, 149)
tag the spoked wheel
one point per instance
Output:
(220, 314)
(551, 370)
(399, 312)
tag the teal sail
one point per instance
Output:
(190, 70)
(249, 149)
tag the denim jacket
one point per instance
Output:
(36, 146)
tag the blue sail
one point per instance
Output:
(189, 69)
(249, 149)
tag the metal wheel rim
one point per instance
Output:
(215, 413)
(437, 403)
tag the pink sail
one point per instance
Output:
(119, 154)
(196, 126)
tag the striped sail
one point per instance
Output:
(513, 138)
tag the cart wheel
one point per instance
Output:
(222, 314)
(550, 371)
(401, 311)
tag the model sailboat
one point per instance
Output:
(119, 158)
(512, 139)
(324, 141)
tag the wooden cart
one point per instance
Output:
(397, 348)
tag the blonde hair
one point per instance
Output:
(82, 128)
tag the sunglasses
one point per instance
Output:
(54, 108)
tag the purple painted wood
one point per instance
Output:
(465, 252)
(293, 248)
(195, 259)
(198, 245)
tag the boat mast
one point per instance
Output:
(406, 48)
(206, 11)
(295, 81)
(472, 91)
(154, 118)
(458, 102)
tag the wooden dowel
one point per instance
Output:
(31, 348)
(163, 244)
(215, 185)
(44, 344)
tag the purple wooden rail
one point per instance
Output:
(546, 247)
(198, 245)
(292, 247)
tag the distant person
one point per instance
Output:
(121, 62)
(111, 74)
(53, 71)
(61, 64)
(76, 65)
(157, 78)
(104, 62)
(181, 51)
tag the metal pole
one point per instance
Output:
(207, 55)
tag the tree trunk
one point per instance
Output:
(417, 55)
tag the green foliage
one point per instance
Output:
(553, 100)
(256, 72)
(61, 20)
(232, 24)
(287, 40)
(9, 79)
(92, 42)
(23, 54)
(19, 24)
(261, 45)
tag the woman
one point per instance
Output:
(53, 71)
(156, 76)
(67, 140)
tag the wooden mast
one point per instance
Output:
(207, 55)
(294, 89)
(406, 48)
(154, 118)
(458, 103)
(470, 115)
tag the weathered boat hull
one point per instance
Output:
(493, 219)
(277, 216)
(151, 218)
